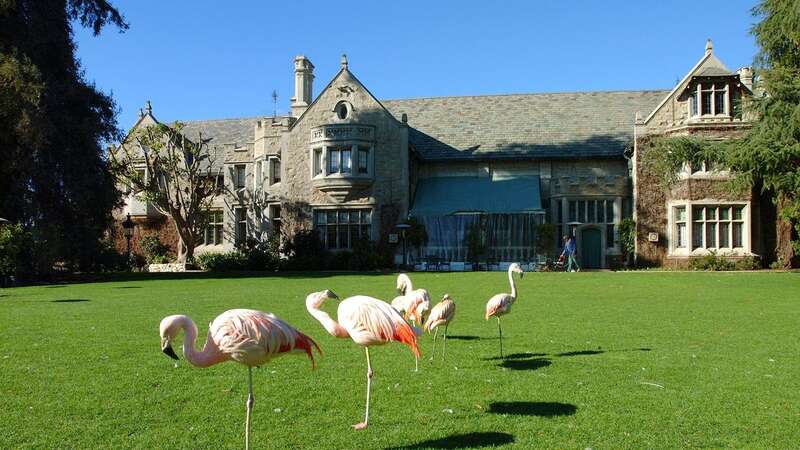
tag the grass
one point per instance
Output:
(601, 360)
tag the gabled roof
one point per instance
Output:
(222, 131)
(708, 66)
(532, 126)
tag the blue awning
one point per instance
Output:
(440, 196)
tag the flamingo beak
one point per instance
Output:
(330, 294)
(167, 349)
(521, 274)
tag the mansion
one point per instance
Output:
(353, 166)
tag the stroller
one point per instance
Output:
(558, 266)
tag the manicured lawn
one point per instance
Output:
(600, 360)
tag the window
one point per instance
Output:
(712, 100)
(680, 227)
(240, 179)
(713, 227)
(317, 164)
(341, 228)
(241, 225)
(275, 170)
(363, 160)
(274, 213)
(213, 231)
(339, 160)
(342, 110)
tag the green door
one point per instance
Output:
(590, 248)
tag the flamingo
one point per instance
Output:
(417, 301)
(367, 321)
(441, 314)
(249, 337)
(500, 304)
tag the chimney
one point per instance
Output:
(746, 76)
(303, 81)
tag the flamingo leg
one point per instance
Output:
(433, 352)
(500, 329)
(250, 401)
(362, 425)
(444, 344)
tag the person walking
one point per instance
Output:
(569, 252)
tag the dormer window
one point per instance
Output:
(709, 99)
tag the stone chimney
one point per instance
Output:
(746, 76)
(303, 85)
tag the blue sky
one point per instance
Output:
(199, 60)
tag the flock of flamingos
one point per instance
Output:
(253, 338)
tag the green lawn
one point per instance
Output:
(600, 360)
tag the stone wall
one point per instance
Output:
(389, 188)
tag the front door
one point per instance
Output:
(590, 248)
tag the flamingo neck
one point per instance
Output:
(513, 286)
(330, 325)
(210, 354)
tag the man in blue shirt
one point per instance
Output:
(569, 252)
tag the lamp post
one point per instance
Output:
(127, 230)
(403, 227)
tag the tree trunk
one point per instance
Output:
(783, 236)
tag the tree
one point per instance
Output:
(175, 174)
(53, 124)
(769, 156)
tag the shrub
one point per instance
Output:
(15, 248)
(155, 252)
(222, 262)
(305, 251)
(747, 263)
(261, 255)
(712, 262)
(627, 237)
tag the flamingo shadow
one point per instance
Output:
(581, 352)
(463, 338)
(523, 355)
(466, 440)
(70, 300)
(525, 364)
(541, 409)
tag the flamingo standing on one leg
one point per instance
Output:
(500, 304)
(441, 314)
(246, 336)
(367, 321)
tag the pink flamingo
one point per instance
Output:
(441, 314)
(367, 321)
(417, 301)
(246, 336)
(500, 304)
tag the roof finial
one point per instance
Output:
(148, 108)
(709, 47)
(343, 61)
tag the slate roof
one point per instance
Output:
(223, 131)
(531, 126)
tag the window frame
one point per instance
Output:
(343, 225)
(698, 105)
(240, 220)
(240, 180)
(702, 244)
(214, 228)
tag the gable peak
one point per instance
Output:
(709, 47)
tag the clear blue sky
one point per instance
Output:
(201, 60)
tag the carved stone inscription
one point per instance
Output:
(343, 133)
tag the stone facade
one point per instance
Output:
(346, 156)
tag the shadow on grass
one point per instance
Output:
(70, 300)
(580, 353)
(54, 286)
(127, 287)
(463, 338)
(541, 409)
(523, 355)
(525, 364)
(466, 440)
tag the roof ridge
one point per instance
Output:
(530, 94)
